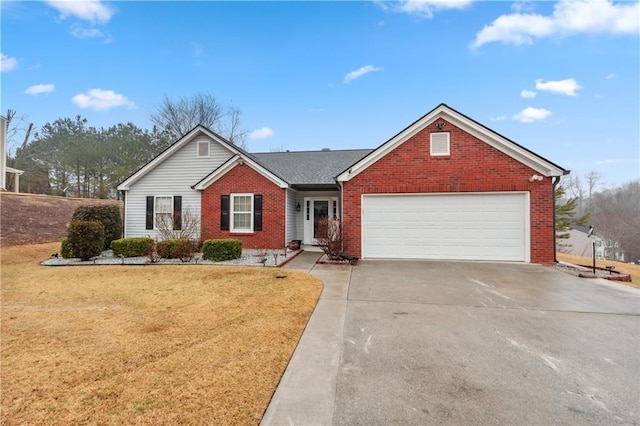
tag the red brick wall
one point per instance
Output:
(473, 166)
(243, 178)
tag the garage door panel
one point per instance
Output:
(451, 226)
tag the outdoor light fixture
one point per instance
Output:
(593, 247)
(535, 178)
(440, 125)
(298, 207)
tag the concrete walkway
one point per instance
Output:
(306, 393)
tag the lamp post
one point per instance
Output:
(593, 247)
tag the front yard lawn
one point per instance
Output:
(145, 344)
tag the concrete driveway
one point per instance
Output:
(413, 342)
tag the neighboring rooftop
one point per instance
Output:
(310, 167)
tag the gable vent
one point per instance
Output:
(440, 144)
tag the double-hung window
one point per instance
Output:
(241, 212)
(164, 212)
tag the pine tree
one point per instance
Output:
(565, 212)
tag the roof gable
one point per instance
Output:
(233, 162)
(474, 128)
(172, 149)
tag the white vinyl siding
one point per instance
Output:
(440, 144)
(241, 212)
(475, 226)
(173, 176)
(292, 216)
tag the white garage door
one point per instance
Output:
(488, 226)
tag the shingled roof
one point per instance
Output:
(310, 167)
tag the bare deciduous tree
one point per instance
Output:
(174, 118)
(615, 217)
(329, 237)
(189, 229)
(593, 179)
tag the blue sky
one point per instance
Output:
(561, 78)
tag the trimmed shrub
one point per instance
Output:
(178, 248)
(163, 248)
(223, 249)
(132, 247)
(183, 249)
(86, 239)
(109, 216)
(65, 249)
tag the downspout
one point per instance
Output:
(124, 209)
(556, 181)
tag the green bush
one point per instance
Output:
(223, 249)
(178, 248)
(65, 249)
(86, 239)
(132, 247)
(109, 216)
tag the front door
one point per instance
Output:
(320, 211)
(316, 209)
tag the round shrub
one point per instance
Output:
(109, 216)
(65, 249)
(86, 239)
(132, 247)
(178, 248)
(222, 249)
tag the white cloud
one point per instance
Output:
(611, 76)
(87, 10)
(522, 6)
(262, 133)
(562, 87)
(423, 8)
(359, 73)
(99, 99)
(81, 33)
(498, 118)
(37, 89)
(530, 114)
(569, 17)
(527, 94)
(7, 63)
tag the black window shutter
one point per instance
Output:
(224, 212)
(149, 223)
(177, 212)
(257, 212)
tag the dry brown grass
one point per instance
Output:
(631, 269)
(145, 344)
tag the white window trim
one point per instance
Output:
(440, 154)
(232, 227)
(155, 210)
(208, 149)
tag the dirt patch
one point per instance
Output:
(33, 219)
(143, 344)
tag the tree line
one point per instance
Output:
(68, 157)
(613, 212)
